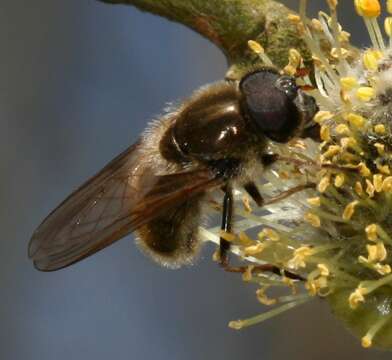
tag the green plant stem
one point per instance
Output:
(229, 24)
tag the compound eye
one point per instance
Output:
(288, 85)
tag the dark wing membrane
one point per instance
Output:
(122, 197)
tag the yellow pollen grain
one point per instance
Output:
(339, 180)
(295, 57)
(349, 210)
(342, 129)
(298, 260)
(371, 232)
(313, 219)
(254, 249)
(380, 148)
(356, 297)
(369, 188)
(315, 201)
(380, 129)
(371, 58)
(368, 8)
(355, 120)
(322, 116)
(358, 188)
(348, 83)
(387, 184)
(323, 184)
(377, 182)
(365, 93)
(255, 47)
(388, 26)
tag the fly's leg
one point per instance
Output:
(227, 216)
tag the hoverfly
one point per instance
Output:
(158, 186)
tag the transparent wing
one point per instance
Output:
(125, 195)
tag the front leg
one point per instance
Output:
(227, 216)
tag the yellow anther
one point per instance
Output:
(366, 341)
(382, 269)
(370, 188)
(380, 148)
(255, 47)
(339, 180)
(227, 235)
(371, 232)
(377, 182)
(271, 234)
(244, 239)
(376, 253)
(347, 142)
(332, 151)
(344, 36)
(312, 219)
(358, 188)
(246, 203)
(355, 120)
(384, 169)
(368, 8)
(325, 133)
(322, 116)
(365, 93)
(247, 275)
(387, 184)
(364, 170)
(349, 210)
(348, 83)
(335, 53)
(263, 298)
(295, 57)
(323, 184)
(379, 129)
(356, 297)
(332, 3)
(254, 249)
(388, 26)
(324, 271)
(342, 129)
(316, 24)
(298, 260)
(294, 18)
(290, 70)
(315, 285)
(315, 201)
(236, 325)
(389, 6)
(371, 58)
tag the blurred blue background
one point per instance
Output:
(79, 81)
